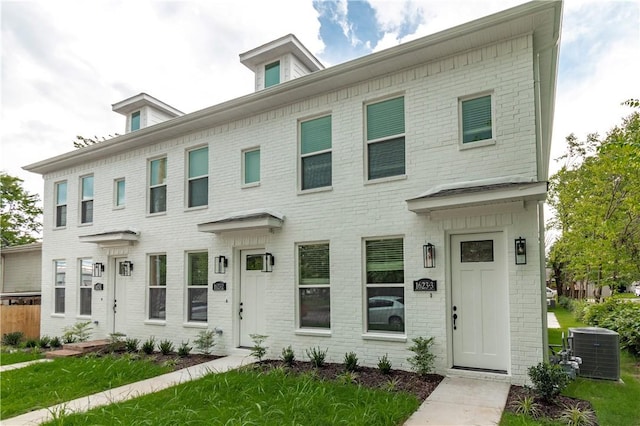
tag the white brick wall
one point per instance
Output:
(351, 211)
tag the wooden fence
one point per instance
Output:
(24, 318)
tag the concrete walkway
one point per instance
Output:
(21, 364)
(131, 390)
(552, 321)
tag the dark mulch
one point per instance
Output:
(550, 409)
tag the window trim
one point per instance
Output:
(300, 329)
(189, 179)
(484, 142)
(82, 287)
(329, 187)
(56, 287)
(58, 204)
(82, 200)
(189, 286)
(389, 138)
(245, 151)
(150, 187)
(117, 206)
(158, 286)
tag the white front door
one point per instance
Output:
(119, 299)
(252, 296)
(479, 307)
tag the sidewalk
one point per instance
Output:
(552, 321)
(131, 390)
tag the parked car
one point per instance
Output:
(638, 290)
(386, 310)
(551, 293)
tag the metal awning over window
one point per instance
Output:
(114, 238)
(251, 220)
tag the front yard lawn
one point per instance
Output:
(17, 356)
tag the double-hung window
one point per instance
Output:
(385, 139)
(135, 121)
(385, 284)
(86, 272)
(60, 278)
(272, 74)
(157, 286)
(86, 202)
(61, 204)
(315, 153)
(119, 197)
(313, 285)
(158, 185)
(251, 166)
(197, 279)
(476, 119)
(198, 179)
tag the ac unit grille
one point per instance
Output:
(599, 349)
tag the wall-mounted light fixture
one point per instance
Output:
(98, 269)
(126, 268)
(267, 262)
(220, 265)
(429, 255)
(521, 251)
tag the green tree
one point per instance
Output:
(596, 198)
(21, 216)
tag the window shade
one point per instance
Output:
(252, 166)
(313, 264)
(386, 158)
(272, 74)
(87, 188)
(476, 119)
(198, 162)
(385, 118)
(385, 261)
(315, 135)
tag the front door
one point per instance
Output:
(118, 302)
(479, 308)
(252, 296)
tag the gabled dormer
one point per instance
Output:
(143, 110)
(280, 60)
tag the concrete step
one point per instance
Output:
(84, 347)
(60, 353)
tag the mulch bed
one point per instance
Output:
(551, 410)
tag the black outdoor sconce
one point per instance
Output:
(521, 251)
(98, 269)
(267, 262)
(126, 268)
(220, 265)
(429, 255)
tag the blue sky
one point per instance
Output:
(65, 62)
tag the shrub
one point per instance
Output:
(548, 380)
(132, 345)
(317, 356)
(44, 341)
(351, 361)
(78, 332)
(575, 416)
(384, 365)
(422, 361)
(205, 341)
(258, 350)
(565, 302)
(166, 347)
(620, 316)
(347, 378)
(527, 406)
(116, 341)
(12, 339)
(55, 342)
(288, 356)
(149, 345)
(31, 343)
(184, 349)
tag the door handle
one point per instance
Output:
(114, 306)
(240, 311)
(455, 317)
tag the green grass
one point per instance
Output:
(248, 397)
(7, 358)
(45, 384)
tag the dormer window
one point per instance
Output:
(135, 121)
(272, 74)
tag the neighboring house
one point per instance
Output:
(20, 274)
(307, 210)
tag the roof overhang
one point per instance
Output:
(24, 248)
(277, 48)
(504, 195)
(140, 100)
(117, 238)
(254, 220)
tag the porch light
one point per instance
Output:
(267, 262)
(126, 268)
(98, 269)
(521, 251)
(429, 255)
(220, 265)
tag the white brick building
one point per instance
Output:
(345, 177)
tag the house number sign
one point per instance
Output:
(425, 284)
(219, 286)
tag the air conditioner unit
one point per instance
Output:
(599, 349)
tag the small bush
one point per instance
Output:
(132, 345)
(565, 302)
(44, 341)
(528, 407)
(184, 349)
(288, 356)
(575, 416)
(384, 364)
(347, 378)
(31, 343)
(350, 361)
(55, 342)
(205, 341)
(422, 361)
(78, 332)
(166, 347)
(317, 356)
(116, 341)
(548, 380)
(149, 345)
(258, 350)
(12, 339)
(390, 385)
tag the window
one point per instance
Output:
(158, 185)
(272, 74)
(477, 124)
(315, 153)
(313, 285)
(197, 279)
(157, 286)
(61, 204)
(198, 180)
(60, 268)
(119, 192)
(86, 202)
(251, 166)
(385, 139)
(385, 284)
(135, 121)
(86, 272)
